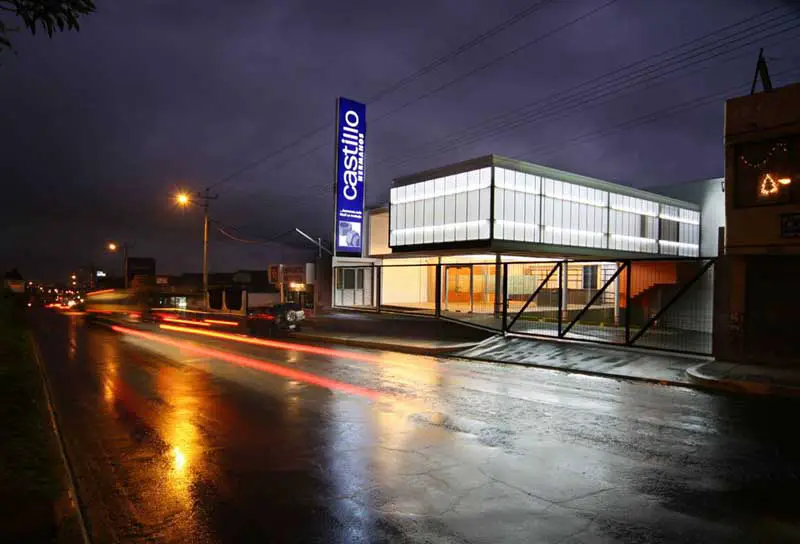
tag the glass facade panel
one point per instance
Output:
(535, 209)
(446, 209)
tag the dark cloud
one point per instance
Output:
(99, 127)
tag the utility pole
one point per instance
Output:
(125, 262)
(205, 197)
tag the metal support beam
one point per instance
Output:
(505, 297)
(378, 287)
(628, 302)
(438, 290)
(560, 317)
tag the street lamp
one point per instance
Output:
(183, 199)
(113, 247)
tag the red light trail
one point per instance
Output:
(278, 344)
(255, 364)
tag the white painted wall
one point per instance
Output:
(378, 234)
(405, 284)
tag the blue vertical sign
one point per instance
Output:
(351, 132)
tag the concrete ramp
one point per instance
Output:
(585, 359)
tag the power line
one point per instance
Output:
(560, 96)
(464, 47)
(223, 229)
(647, 118)
(675, 60)
(565, 100)
(449, 83)
(270, 155)
(490, 63)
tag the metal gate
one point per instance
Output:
(661, 304)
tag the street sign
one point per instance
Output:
(351, 132)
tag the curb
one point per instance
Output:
(696, 374)
(387, 346)
(73, 490)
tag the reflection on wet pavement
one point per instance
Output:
(180, 438)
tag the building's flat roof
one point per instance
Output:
(538, 170)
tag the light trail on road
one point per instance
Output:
(271, 368)
(316, 350)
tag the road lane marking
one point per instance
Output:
(271, 368)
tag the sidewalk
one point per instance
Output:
(424, 336)
(394, 332)
(752, 379)
(595, 360)
(36, 502)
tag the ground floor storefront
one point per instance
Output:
(659, 303)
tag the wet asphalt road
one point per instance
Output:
(180, 438)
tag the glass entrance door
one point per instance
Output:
(458, 288)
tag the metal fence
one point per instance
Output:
(664, 304)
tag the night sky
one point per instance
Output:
(98, 128)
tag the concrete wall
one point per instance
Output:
(407, 284)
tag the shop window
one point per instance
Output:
(669, 230)
(349, 278)
(590, 277)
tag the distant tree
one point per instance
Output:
(50, 15)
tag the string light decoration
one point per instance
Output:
(770, 186)
(760, 164)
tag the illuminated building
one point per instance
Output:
(445, 234)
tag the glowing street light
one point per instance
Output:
(113, 247)
(74, 277)
(183, 199)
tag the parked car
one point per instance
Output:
(274, 320)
